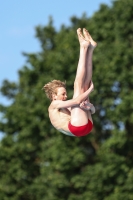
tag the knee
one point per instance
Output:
(78, 86)
(86, 86)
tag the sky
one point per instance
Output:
(18, 20)
(17, 28)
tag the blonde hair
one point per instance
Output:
(51, 87)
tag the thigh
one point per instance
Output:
(79, 117)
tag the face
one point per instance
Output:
(61, 94)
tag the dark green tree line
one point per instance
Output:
(36, 161)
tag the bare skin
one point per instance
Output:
(86, 104)
(83, 76)
(59, 113)
(58, 110)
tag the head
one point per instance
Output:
(55, 89)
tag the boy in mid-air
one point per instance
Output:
(73, 117)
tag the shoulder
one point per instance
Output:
(54, 104)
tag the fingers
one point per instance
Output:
(85, 106)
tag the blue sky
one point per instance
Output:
(18, 22)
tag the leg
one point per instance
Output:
(79, 117)
(83, 76)
(91, 48)
(81, 69)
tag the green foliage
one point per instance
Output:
(36, 161)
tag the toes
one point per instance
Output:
(86, 34)
(79, 30)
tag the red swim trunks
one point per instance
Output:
(81, 130)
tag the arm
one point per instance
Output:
(73, 102)
(64, 104)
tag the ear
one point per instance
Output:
(54, 96)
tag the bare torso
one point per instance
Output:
(60, 119)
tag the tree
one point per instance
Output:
(36, 161)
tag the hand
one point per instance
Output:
(86, 105)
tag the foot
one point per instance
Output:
(89, 38)
(83, 42)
